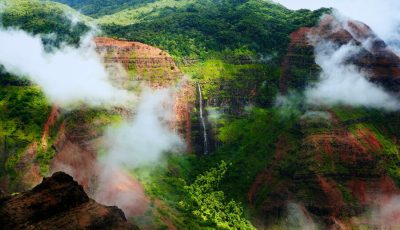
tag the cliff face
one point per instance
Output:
(58, 203)
(335, 172)
(336, 163)
(143, 62)
(74, 135)
(376, 59)
(155, 68)
(298, 66)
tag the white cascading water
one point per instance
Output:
(203, 123)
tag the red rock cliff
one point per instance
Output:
(376, 59)
(156, 68)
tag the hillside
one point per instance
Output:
(96, 8)
(190, 29)
(258, 152)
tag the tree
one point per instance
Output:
(207, 204)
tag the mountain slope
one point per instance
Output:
(40, 17)
(337, 162)
(191, 29)
(97, 8)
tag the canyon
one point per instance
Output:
(329, 166)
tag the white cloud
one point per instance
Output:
(342, 83)
(67, 75)
(149, 135)
(381, 15)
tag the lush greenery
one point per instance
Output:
(236, 83)
(194, 28)
(206, 202)
(97, 8)
(198, 203)
(45, 19)
(24, 109)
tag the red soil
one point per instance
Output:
(333, 194)
(373, 191)
(50, 122)
(369, 139)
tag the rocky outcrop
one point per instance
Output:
(375, 58)
(58, 202)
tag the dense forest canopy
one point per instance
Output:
(188, 28)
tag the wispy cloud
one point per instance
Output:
(67, 75)
(343, 83)
(382, 16)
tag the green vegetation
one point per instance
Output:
(193, 29)
(188, 203)
(96, 8)
(249, 146)
(24, 110)
(43, 18)
(23, 107)
(255, 82)
(206, 202)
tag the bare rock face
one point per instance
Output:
(58, 202)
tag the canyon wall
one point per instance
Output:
(335, 166)
(155, 68)
(375, 59)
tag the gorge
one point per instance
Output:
(195, 115)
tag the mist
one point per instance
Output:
(343, 83)
(139, 141)
(299, 218)
(382, 16)
(67, 75)
(143, 139)
(387, 215)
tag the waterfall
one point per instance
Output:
(203, 122)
